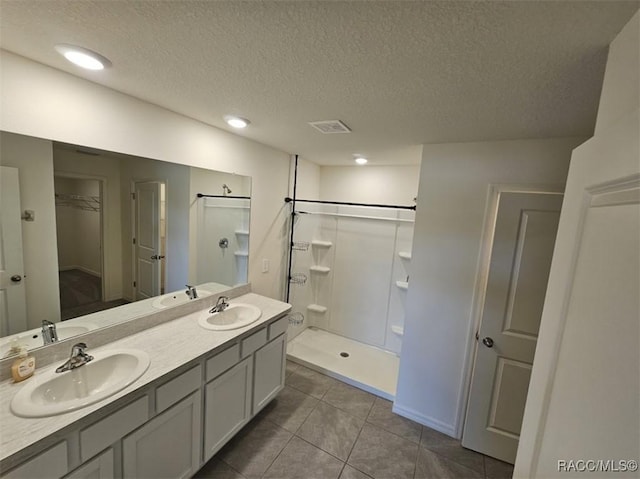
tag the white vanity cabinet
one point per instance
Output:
(168, 445)
(172, 427)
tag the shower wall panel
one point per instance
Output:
(363, 264)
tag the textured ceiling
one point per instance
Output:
(397, 73)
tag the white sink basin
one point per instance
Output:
(235, 316)
(68, 331)
(56, 393)
(174, 299)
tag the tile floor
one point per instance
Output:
(321, 428)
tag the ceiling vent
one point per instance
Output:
(330, 126)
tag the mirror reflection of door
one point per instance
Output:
(79, 208)
(13, 308)
(149, 242)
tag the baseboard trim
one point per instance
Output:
(440, 426)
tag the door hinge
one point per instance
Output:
(134, 284)
(134, 241)
(133, 196)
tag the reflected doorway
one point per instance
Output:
(79, 213)
(149, 241)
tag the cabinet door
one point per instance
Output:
(168, 445)
(227, 406)
(99, 468)
(269, 372)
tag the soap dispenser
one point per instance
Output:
(23, 367)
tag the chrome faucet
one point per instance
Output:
(49, 332)
(191, 291)
(221, 305)
(78, 358)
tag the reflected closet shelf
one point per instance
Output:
(404, 254)
(241, 253)
(242, 232)
(321, 244)
(402, 284)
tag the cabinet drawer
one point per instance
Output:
(51, 463)
(105, 432)
(278, 327)
(222, 361)
(253, 342)
(177, 388)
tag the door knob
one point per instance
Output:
(16, 278)
(488, 342)
(157, 256)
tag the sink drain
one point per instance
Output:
(344, 355)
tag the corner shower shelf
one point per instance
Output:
(402, 284)
(319, 269)
(399, 330)
(316, 308)
(321, 244)
(241, 253)
(404, 254)
(242, 232)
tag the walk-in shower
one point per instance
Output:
(348, 276)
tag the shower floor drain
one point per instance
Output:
(344, 355)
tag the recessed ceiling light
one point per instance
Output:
(236, 121)
(83, 57)
(361, 160)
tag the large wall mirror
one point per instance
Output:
(89, 238)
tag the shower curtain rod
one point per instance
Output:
(381, 218)
(345, 203)
(202, 195)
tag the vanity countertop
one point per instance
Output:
(169, 345)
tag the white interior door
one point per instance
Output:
(13, 307)
(583, 402)
(147, 239)
(525, 230)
